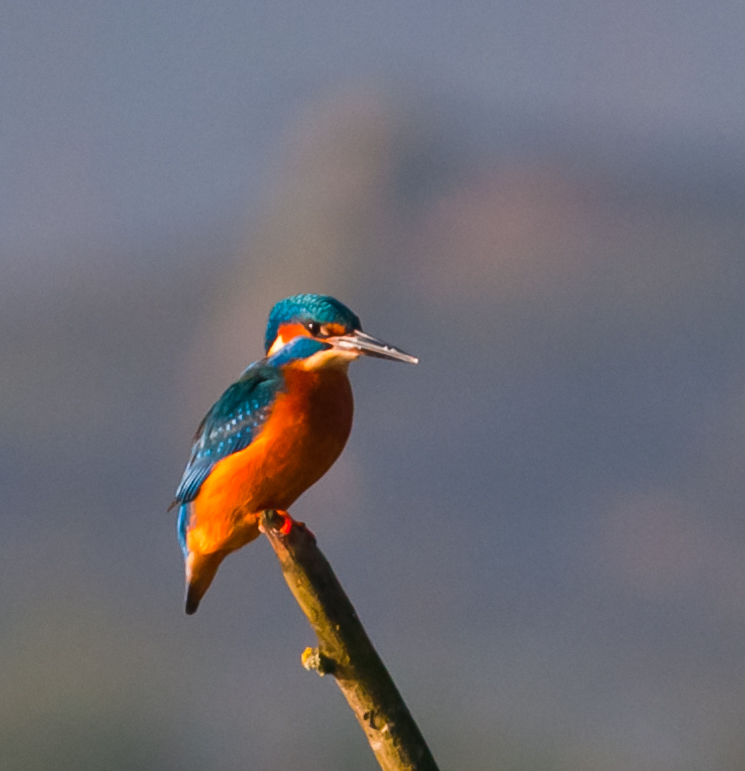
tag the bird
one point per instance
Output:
(272, 434)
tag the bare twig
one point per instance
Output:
(345, 651)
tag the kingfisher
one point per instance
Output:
(272, 434)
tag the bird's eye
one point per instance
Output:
(314, 328)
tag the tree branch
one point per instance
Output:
(345, 651)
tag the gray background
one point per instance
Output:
(541, 525)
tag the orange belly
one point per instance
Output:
(305, 433)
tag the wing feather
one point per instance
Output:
(230, 426)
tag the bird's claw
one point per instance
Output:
(287, 523)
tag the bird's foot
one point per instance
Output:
(282, 522)
(288, 523)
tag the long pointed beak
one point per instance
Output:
(366, 345)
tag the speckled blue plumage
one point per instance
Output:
(302, 308)
(238, 416)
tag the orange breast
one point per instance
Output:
(304, 435)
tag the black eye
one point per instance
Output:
(314, 328)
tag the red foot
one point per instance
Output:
(288, 523)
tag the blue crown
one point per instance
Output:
(304, 308)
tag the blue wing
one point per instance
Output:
(238, 416)
(234, 421)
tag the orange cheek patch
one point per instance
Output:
(286, 333)
(334, 330)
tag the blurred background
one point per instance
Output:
(541, 525)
